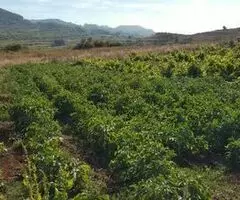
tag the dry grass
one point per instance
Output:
(49, 55)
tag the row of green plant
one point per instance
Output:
(194, 117)
(143, 118)
(4, 95)
(51, 173)
(123, 151)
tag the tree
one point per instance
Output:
(57, 43)
(13, 47)
(224, 28)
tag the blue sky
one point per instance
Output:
(181, 16)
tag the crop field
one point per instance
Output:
(147, 126)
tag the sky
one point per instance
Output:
(178, 16)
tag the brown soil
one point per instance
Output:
(11, 165)
(12, 160)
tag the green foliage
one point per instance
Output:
(139, 118)
(13, 47)
(233, 154)
(136, 162)
(194, 71)
(51, 173)
(2, 147)
(167, 187)
(90, 43)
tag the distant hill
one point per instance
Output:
(55, 21)
(211, 36)
(134, 30)
(8, 18)
(218, 35)
(167, 38)
(93, 30)
(15, 27)
(123, 30)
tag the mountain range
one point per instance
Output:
(16, 27)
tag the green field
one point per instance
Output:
(148, 126)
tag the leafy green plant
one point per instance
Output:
(194, 71)
(138, 118)
(2, 147)
(233, 154)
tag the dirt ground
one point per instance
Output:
(12, 160)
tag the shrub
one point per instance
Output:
(194, 71)
(84, 44)
(58, 43)
(2, 147)
(201, 56)
(177, 185)
(233, 154)
(134, 162)
(114, 44)
(89, 43)
(231, 44)
(167, 71)
(13, 47)
(99, 43)
(98, 95)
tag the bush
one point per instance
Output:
(233, 154)
(89, 43)
(231, 44)
(13, 47)
(175, 186)
(194, 71)
(2, 147)
(99, 43)
(114, 44)
(167, 71)
(58, 43)
(84, 44)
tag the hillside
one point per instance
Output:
(134, 30)
(8, 18)
(15, 27)
(211, 36)
(218, 35)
